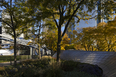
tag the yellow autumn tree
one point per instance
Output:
(105, 36)
(65, 41)
(84, 38)
(99, 38)
(51, 40)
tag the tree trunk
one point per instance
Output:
(39, 40)
(98, 47)
(58, 44)
(39, 51)
(15, 60)
(92, 48)
(13, 28)
(88, 46)
(85, 47)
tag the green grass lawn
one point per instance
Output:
(11, 58)
(45, 67)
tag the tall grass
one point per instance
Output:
(45, 67)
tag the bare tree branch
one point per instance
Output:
(71, 17)
(55, 20)
(6, 23)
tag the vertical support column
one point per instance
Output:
(33, 55)
(31, 52)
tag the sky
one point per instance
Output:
(89, 23)
(82, 24)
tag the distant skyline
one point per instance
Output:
(87, 23)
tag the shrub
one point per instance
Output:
(45, 67)
(28, 72)
(3, 73)
(69, 47)
(53, 70)
(69, 65)
(77, 74)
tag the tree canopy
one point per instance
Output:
(14, 20)
(58, 13)
(100, 38)
(62, 12)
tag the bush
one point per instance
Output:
(69, 47)
(77, 74)
(53, 70)
(69, 65)
(27, 72)
(2, 72)
(46, 67)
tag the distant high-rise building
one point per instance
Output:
(1, 1)
(91, 22)
(100, 12)
(69, 31)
